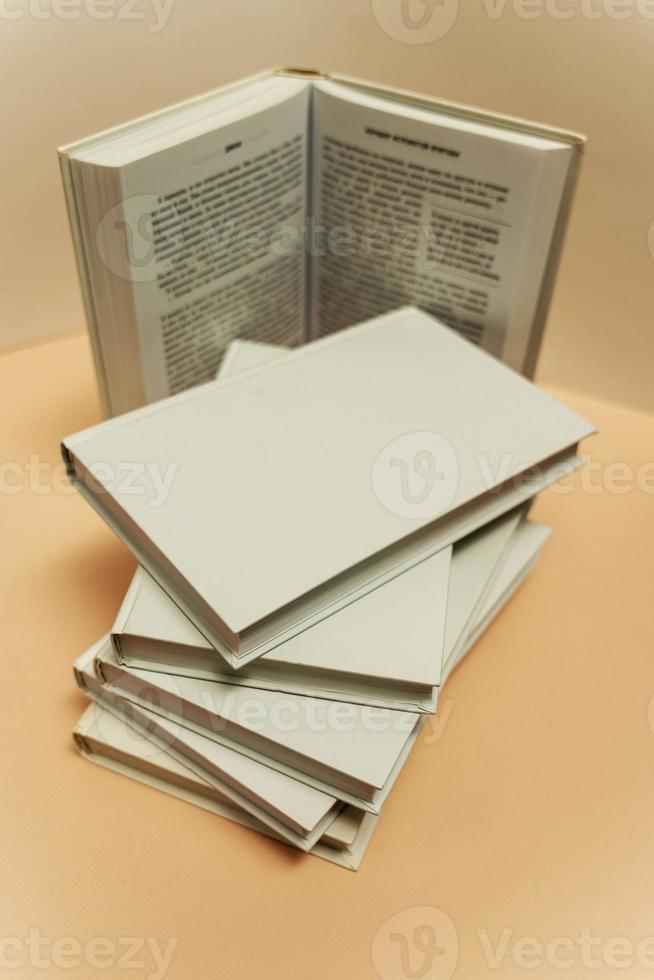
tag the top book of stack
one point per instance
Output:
(266, 502)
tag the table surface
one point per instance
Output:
(519, 833)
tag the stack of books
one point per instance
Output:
(322, 535)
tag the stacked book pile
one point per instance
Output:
(322, 535)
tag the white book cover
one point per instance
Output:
(351, 752)
(111, 742)
(311, 738)
(520, 558)
(153, 634)
(479, 561)
(295, 811)
(285, 494)
(384, 649)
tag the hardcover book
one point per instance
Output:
(289, 205)
(286, 500)
(123, 736)
(109, 741)
(294, 811)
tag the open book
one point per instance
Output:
(293, 204)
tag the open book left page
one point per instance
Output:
(198, 226)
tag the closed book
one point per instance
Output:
(108, 740)
(264, 503)
(294, 811)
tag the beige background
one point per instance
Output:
(581, 64)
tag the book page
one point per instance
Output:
(214, 233)
(413, 206)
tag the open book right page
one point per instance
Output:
(415, 206)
